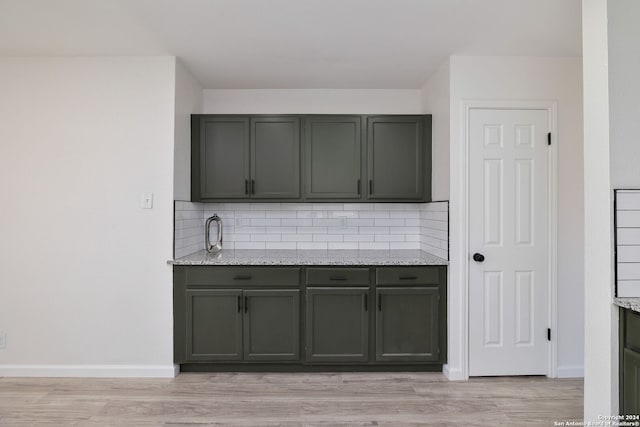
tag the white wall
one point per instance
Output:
(85, 288)
(312, 101)
(188, 101)
(436, 100)
(624, 92)
(600, 380)
(526, 78)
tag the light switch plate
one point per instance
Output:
(147, 200)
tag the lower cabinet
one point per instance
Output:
(272, 324)
(349, 316)
(337, 325)
(234, 325)
(407, 327)
(629, 362)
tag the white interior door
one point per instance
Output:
(508, 226)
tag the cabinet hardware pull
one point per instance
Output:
(370, 187)
(379, 302)
(337, 278)
(253, 186)
(246, 186)
(358, 187)
(408, 277)
(366, 302)
(246, 304)
(242, 278)
(239, 303)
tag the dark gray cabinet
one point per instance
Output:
(275, 157)
(214, 324)
(407, 324)
(220, 158)
(337, 321)
(245, 157)
(332, 148)
(230, 324)
(397, 163)
(629, 362)
(231, 317)
(271, 324)
(355, 158)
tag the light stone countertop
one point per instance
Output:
(630, 303)
(311, 257)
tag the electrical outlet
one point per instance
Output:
(3, 340)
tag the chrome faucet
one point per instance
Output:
(217, 247)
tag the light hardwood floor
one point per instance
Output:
(288, 399)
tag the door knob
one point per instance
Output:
(478, 257)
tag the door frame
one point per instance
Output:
(552, 212)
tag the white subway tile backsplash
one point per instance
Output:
(281, 245)
(281, 230)
(371, 246)
(342, 245)
(250, 245)
(312, 245)
(301, 222)
(328, 238)
(374, 230)
(312, 230)
(297, 237)
(266, 238)
(265, 222)
(404, 245)
(389, 237)
(316, 226)
(331, 222)
(389, 222)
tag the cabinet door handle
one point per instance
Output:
(358, 187)
(407, 277)
(253, 186)
(248, 277)
(239, 303)
(337, 278)
(379, 302)
(370, 187)
(246, 186)
(246, 304)
(366, 302)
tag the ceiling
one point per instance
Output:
(253, 44)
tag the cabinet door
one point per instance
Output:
(395, 157)
(332, 157)
(214, 325)
(224, 157)
(407, 324)
(275, 157)
(272, 325)
(631, 382)
(337, 325)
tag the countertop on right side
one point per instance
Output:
(630, 303)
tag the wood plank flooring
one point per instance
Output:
(290, 399)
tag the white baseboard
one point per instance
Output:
(453, 374)
(90, 371)
(576, 371)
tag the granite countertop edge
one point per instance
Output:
(630, 303)
(311, 257)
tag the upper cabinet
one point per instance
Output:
(275, 157)
(396, 149)
(220, 157)
(241, 157)
(333, 157)
(324, 158)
